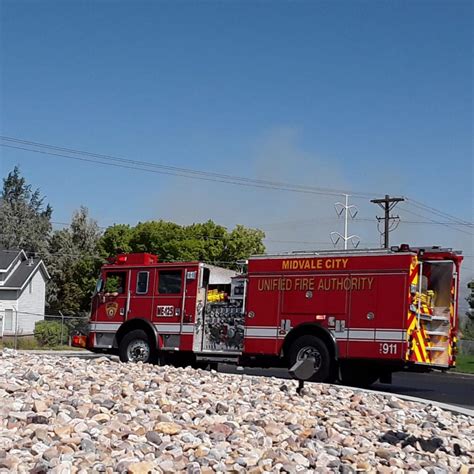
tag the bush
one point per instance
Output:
(79, 325)
(48, 333)
(467, 332)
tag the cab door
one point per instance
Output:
(141, 293)
(112, 301)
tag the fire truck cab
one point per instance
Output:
(358, 315)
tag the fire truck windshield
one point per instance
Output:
(99, 286)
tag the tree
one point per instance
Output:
(73, 263)
(468, 330)
(25, 221)
(115, 239)
(205, 241)
(165, 239)
(243, 242)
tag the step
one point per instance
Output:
(440, 318)
(425, 317)
(434, 365)
(437, 333)
(227, 358)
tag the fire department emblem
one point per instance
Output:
(111, 310)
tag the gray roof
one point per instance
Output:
(21, 275)
(7, 257)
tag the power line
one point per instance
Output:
(438, 212)
(110, 160)
(312, 222)
(450, 225)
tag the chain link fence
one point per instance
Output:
(26, 330)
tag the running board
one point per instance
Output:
(433, 366)
(224, 358)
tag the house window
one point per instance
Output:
(169, 282)
(8, 324)
(30, 287)
(142, 283)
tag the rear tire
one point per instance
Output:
(358, 375)
(312, 346)
(136, 346)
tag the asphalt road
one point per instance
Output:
(452, 388)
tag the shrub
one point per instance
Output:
(48, 333)
(467, 332)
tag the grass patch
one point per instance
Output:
(465, 363)
(30, 343)
(23, 342)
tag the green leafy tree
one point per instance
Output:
(73, 263)
(115, 239)
(25, 220)
(205, 241)
(243, 242)
(160, 237)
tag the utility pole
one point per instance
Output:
(387, 204)
(349, 211)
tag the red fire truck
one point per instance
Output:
(358, 315)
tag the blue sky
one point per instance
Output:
(363, 95)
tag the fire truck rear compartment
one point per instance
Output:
(434, 305)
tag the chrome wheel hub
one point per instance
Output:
(310, 352)
(138, 351)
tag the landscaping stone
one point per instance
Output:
(73, 415)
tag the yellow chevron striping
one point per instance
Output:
(418, 356)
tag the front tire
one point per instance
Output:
(312, 347)
(136, 346)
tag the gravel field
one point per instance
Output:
(71, 415)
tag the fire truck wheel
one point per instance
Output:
(311, 346)
(135, 347)
(357, 375)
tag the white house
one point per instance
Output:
(22, 292)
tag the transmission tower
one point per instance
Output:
(349, 211)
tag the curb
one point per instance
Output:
(445, 406)
(81, 354)
(464, 374)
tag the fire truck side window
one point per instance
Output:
(115, 282)
(169, 282)
(142, 283)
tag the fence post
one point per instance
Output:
(2, 326)
(16, 328)
(62, 328)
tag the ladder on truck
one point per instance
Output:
(434, 324)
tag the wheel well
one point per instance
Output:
(314, 330)
(137, 323)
